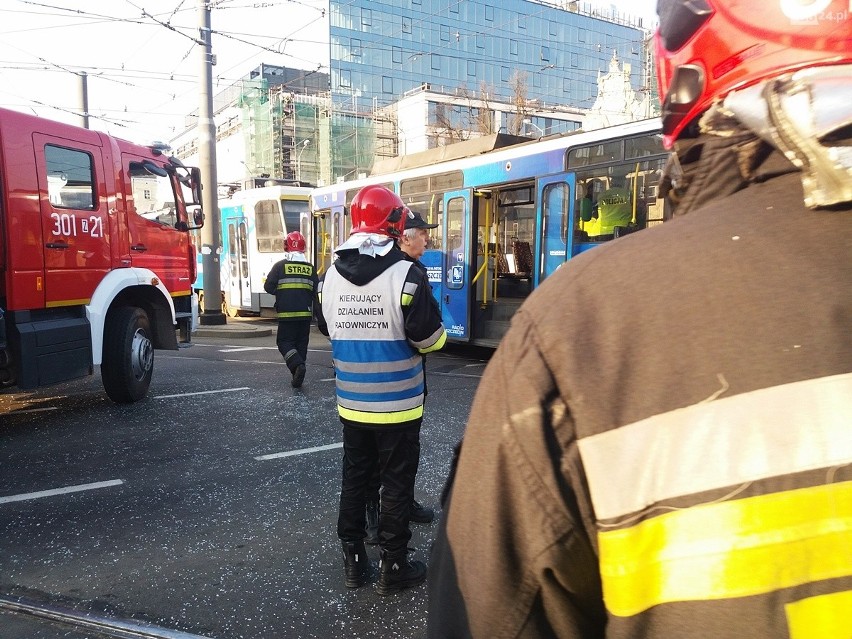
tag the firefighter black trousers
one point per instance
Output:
(396, 451)
(292, 341)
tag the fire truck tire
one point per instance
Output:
(128, 359)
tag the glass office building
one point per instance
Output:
(382, 48)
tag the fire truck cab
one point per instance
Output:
(96, 261)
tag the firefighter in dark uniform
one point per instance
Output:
(702, 487)
(293, 282)
(375, 308)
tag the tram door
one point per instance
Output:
(328, 233)
(555, 223)
(238, 290)
(455, 299)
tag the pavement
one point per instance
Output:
(238, 327)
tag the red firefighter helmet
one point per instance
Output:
(376, 209)
(295, 242)
(707, 48)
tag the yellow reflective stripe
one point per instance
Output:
(310, 287)
(406, 299)
(366, 417)
(729, 549)
(822, 617)
(725, 442)
(437, 345)
(294, 314)
(79, 302)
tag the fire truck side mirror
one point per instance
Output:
(198, 218)
(195, 184)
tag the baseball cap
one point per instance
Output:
(415, 221)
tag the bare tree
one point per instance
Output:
(485, 114)
(518, 82)
(448, 127)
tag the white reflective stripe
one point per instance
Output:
(725, 442)
(380, 387)
(378, 367)
(410, 288)
(431, 340)
(382, 407)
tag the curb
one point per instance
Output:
(232, 331)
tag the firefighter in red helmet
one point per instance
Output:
(293, 282)
(702, 486)
(378, 311)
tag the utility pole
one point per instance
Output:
(84, 100)
(210, 245)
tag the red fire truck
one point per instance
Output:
(96, 261)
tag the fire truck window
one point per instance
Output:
(70, 178)
(153, 196)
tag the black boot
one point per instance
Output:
(421, 514)
(372, 523)
(356, 564)
(298, 376)
(398, 573)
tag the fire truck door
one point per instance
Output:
(155, 242)
(74, 219)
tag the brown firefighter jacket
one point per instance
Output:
(668, 456)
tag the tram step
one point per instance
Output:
(494, 329)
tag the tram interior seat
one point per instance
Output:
(523, 257)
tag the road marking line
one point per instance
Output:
(210, 392)
(243, 361)
(60, 491)
(301, 451)
(238, 349)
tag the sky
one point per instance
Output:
(141, 60)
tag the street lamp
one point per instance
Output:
(533, 124)
(305, 144)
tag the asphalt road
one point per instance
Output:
(209, 507)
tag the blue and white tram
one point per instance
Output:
(509, 217)
(254, 223)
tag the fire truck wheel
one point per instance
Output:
(128, 359)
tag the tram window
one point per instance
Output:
(515, 196)
(643, 146)
(268, 227)
(413, 186)
(595, 154)
(293, 210)
(455, 266)
(621, 195)
(232, 251)
(447, 181)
